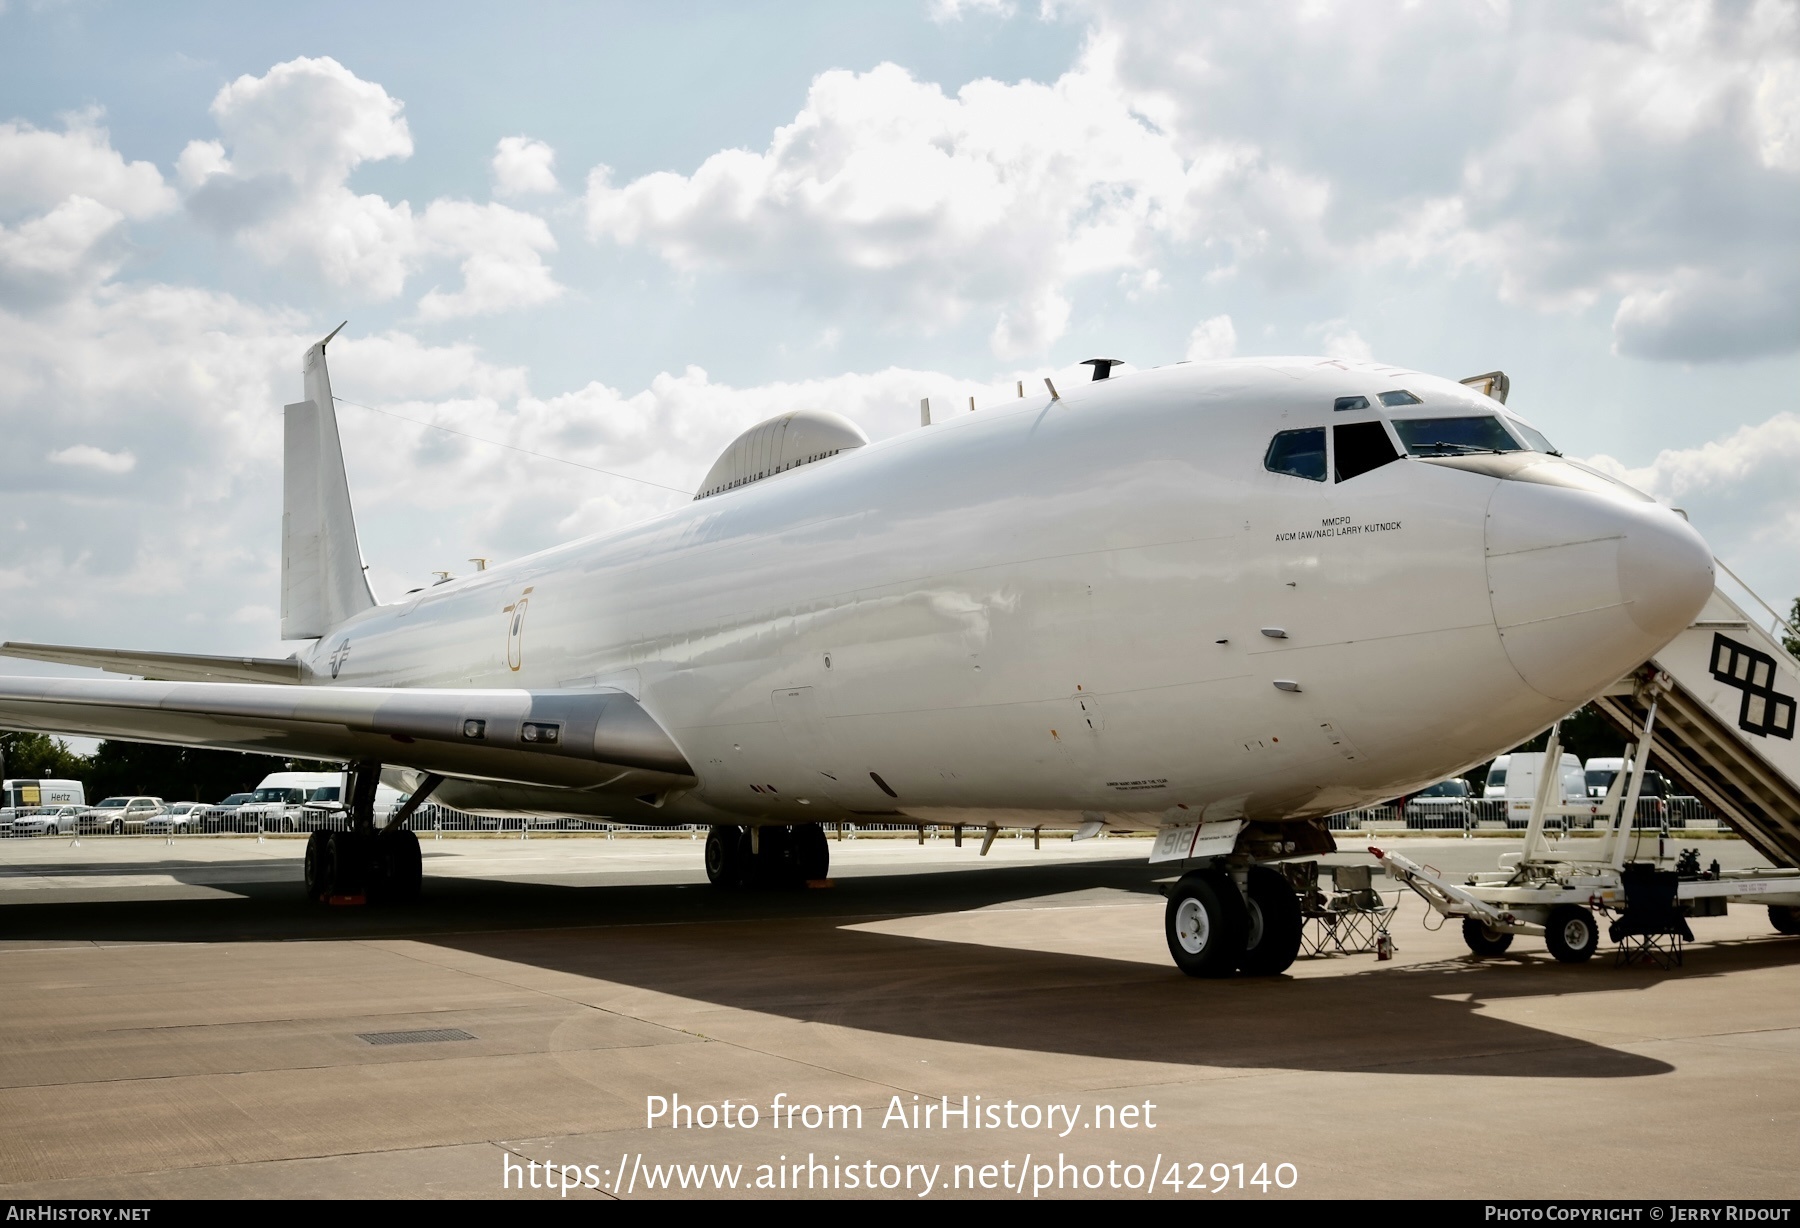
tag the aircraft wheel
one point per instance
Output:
(1571, 934)
(1785, 918)
(727, 855)
(1272, 935)
(1484, 941)
(318, 867)
(397, 868)
(812, 852)
(1205, 924)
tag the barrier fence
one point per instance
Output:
(1653, 814)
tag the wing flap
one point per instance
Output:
(166, 666)
(566, 739)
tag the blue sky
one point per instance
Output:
(620, 234)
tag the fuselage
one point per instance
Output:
(1106, 604)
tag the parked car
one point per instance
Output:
(1444, 804)
(119, 815)
(223, 815)
(181, 818)
(50, 821)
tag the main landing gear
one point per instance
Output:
(766, 856)
(1216, 928)
(364, 863)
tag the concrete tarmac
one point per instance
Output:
(176, 1022)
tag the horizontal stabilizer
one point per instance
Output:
(163, 666)
(588, 739)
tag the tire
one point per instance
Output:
(1571, 934)
(727, 856)
(1272, 933)
(118, 827)
(318, 867)
(812, 852)
(1484, 941)
(397, 870)
(348, 856)
(287, 824)
(1205, 924)
(1785, 918)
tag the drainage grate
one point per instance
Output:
(424, 1036)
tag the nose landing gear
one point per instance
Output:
(1215, 929)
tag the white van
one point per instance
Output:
(278, 801)
(1600, 775)
(30, 794)
(1514, 777)
(324, 809)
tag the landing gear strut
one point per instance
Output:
(766, 856)
(364, 863)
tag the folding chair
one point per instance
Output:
(1356, 912)
(1652, 929)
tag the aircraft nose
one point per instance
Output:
(1586, 586)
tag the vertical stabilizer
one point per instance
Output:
(322, 580)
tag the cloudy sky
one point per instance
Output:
(618, 234)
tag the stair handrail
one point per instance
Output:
(1755, 596)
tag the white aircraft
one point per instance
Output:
(1218, 601)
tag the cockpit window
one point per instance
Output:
(1397, 398)
(1299, 453)
(1344, 403)
(1454, 436)
(1533, 436)
(1360, 447)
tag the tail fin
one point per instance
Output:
(322, 580)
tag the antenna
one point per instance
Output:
(480, 564)
(924, 411)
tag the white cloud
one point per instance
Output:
(922, 207)
(40, 169)
(502, 258)
(1339, 340)
(1212, 338)
(1739, 492)
(48, 257)
(87, 456)
(278, 179)
(278, 182)
(1636, 155)
(523, 167)
(64, 197)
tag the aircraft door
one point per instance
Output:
(822, 765)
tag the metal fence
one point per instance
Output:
(1653, 814)
(1493, 814)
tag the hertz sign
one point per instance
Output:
(1764, 710)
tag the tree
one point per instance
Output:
(38, 756)
(1788, 641)
(178, 773)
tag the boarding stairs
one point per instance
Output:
(1726, 692)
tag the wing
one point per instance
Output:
(586, 739)
(175, 666)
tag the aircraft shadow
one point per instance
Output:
(800, 955)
